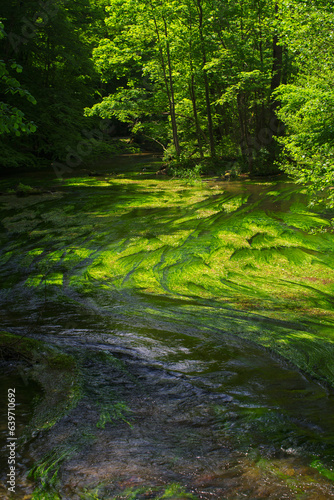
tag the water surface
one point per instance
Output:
(200, 318)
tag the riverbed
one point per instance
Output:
(199, 318)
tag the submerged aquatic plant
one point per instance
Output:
(172, 491)
(252, 250)
(322, 469)
(113, 413)
(175, 490)
(46, 473)
(236, 260)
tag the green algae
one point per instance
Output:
(173, 491)
(104, 400)
(326, 472)
(252, 249)
(112, 413)
(46, 472)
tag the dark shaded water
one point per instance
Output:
(27, 393)
(209, 411)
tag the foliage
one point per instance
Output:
(307, 102)
(185, 68)
(53, 43)
(200, 79)
(185, 169)
(25, 188)
(11, 157)
(12, 119)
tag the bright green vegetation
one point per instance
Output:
(307, 98)
(132, 254)
(250, 259)
(173, 491)
(113, 413)
(185, 309)
(46, 472)
(213, 86)
(239, 259)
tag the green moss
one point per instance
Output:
(255, 248)
(328, 473)
(46, 471)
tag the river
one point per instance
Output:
(199, 320)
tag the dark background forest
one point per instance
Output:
(243, 85)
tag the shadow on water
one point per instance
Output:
(27, 393)
(178, 304)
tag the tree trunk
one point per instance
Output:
(276, 125)
(172, 100)
(198, 128)
(276, 69)
(247, 149)
(168, 83)
(206, 82)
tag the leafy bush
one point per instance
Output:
(184, 169)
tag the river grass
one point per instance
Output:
(189, 278)
(248, 258)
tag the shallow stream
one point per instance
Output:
(200, 321)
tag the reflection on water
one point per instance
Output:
(209, 411)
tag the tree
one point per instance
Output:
(53, 41)
(12, 119)
(137, 54)
(198, 61)
(307, 101)
(203, 79)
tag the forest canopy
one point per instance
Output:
(243, 84)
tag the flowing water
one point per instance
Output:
(199, 320)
